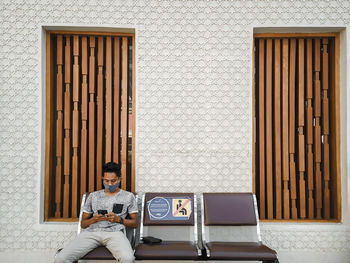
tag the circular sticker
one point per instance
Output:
(158, 208)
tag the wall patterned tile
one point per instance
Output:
(193, 100)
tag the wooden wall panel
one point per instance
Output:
(91, 109)
(294, 108)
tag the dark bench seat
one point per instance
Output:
(240, 251)
(172, 250)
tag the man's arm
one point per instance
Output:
(132, 222)
(88, 219)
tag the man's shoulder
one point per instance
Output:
(126, 193)
(96, 193)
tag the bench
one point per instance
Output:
(229, 224)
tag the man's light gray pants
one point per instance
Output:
(116, 242)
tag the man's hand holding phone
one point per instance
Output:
(100, 216)
(113, 218)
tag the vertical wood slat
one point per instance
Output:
(92, 115)
(67, 80)
(325, 125)
(309, 128)
(334, 116)
(317, 113)
(301, 139)
(59, 124)
(116, 87)
(108, 118)
(84, 115)
(75, 143)
(49, 127)
(269, 183)
(292, 65)
(99, 114)
(285, 151)
(262, 128)
(277, 113)
(124, 112)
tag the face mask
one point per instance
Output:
(111, 188)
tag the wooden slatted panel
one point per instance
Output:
(67, 113)
(301, 139)
(285, 151)
(269, 183)
(325, 124)
(83, 153)
(293, 187)
(262, 128)
(303, 95)
(59, 127)
(124, 112)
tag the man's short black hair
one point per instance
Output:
(111, 168)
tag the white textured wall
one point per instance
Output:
(194, 113)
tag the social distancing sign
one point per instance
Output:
(170, 208)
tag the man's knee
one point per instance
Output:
(126, 258)
(59, 259)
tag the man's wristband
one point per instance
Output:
(121, 221)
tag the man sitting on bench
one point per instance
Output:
(104, 221)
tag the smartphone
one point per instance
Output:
(117, 208)
(102, 211)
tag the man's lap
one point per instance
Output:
(116, 243)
